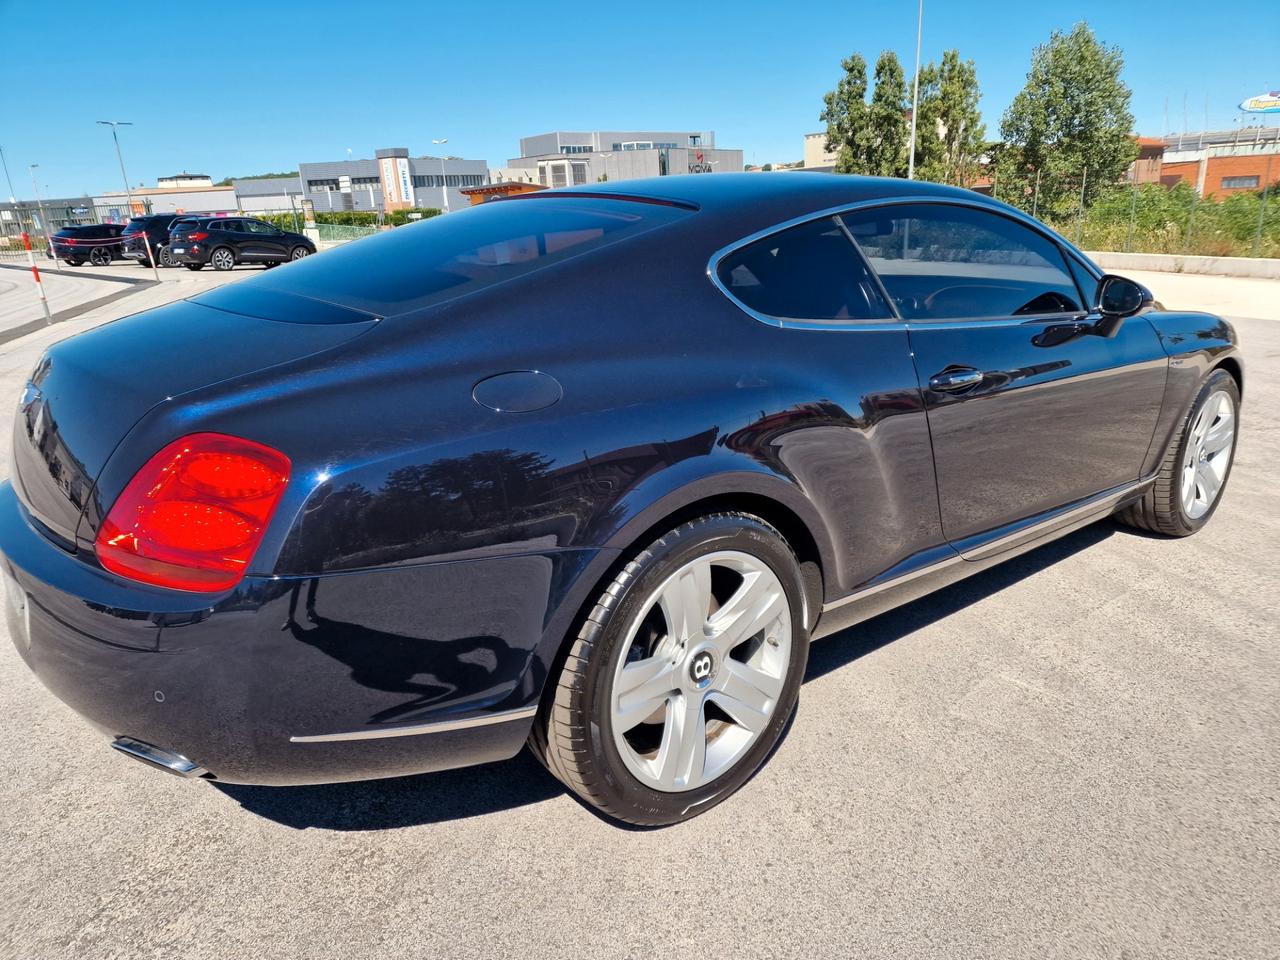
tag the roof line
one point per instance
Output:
(600, 195)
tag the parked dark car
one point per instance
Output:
(97, 243)
(587, 467)
(155, 228)
(227, 241)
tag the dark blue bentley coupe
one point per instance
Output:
(586, 468)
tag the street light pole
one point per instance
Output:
(444, 190)
(915, 93)
(114, 124)
(12, 196)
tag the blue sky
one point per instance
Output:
(248, 88)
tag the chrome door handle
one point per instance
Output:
(956, 378)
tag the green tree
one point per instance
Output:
(845, 114)
(1069, 127)
(950, 135)
(887, 133)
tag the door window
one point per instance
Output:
(810, 273)
(950, 262)
(259, 227)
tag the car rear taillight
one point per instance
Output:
(70, 241)
(196, 237)
(193, 516)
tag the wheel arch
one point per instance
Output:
(1233, 366)
(773, 499)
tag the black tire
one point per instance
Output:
(194, 266)
(573, 735)
(1161, 509)
(227, 262)
(100, 257)
(298, 252)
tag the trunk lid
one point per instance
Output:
(89, 391)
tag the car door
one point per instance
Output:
(266, 242)
(1027, 412)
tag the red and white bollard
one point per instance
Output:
(35, 272)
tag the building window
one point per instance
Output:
(579, 173)
(695, 140)
(638, 145)
(366, 182)
(542, 174)
(1240, 183)
(575, 148)
(617, 146)
(322, 186)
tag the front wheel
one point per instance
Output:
(1196, 464)
(166, 258)
(298, 252)
(684, 675)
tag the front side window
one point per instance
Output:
(809, 273)
(950, 262)
(257, 226)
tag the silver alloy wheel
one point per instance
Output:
(223, 259)
(690, 698)
(1208, 454)
(298, 253)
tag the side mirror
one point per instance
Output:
(1121, 297)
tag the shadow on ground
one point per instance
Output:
(476, 791)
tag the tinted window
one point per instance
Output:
(257, 226)
(455, 254)
(809, 273)
(945, 262)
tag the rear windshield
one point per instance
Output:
(458, 253)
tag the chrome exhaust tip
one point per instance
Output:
(174, 763)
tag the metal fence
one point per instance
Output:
(39, 221)
(1152, 217)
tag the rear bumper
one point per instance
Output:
(184, 253)
(322, 679)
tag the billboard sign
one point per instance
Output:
(406, 182)
(394, 183)
(1262, 103)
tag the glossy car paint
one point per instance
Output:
(435, 547)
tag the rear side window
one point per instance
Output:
(810, 273)
(950, 262)
(458, 253)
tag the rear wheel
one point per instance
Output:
(1196, 464)
(684, 675)
(222, 258)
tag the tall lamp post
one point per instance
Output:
(915, 93)
(114, 124)
(5, 163)
(444, 190)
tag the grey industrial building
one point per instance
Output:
(564, 158)
(391, 180)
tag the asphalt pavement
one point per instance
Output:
(1075, 754)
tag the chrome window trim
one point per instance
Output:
(418, 729)
(792, 323)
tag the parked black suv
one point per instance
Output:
(98, 243)
(226, 241)
(156, 228)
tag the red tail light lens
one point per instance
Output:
(196, 236)
(192, 518)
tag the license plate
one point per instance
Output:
(179, 249)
